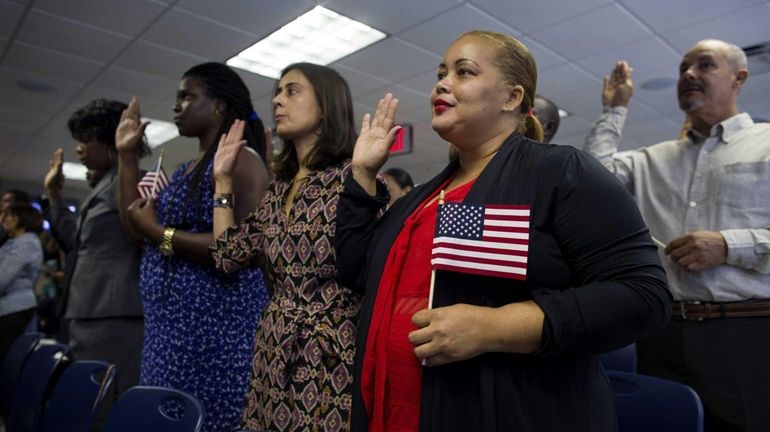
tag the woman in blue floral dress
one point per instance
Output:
(199, 323)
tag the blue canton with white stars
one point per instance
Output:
(458, 220)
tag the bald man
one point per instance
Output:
(705, 198)
(548, 114)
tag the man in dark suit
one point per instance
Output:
(102, 301)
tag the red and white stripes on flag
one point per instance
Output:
(152, 181)
(489, 240)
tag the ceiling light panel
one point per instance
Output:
(320, 36)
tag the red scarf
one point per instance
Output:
(391, 376)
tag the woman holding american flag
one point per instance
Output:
(491, 290)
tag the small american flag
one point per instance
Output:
(151, 184)
(489, 240)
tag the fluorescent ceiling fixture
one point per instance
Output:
(159, 132)
(563, 113)
(320, 36)
(74, 171)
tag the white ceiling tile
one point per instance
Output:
(14, 130)
(423, 82)
(743, 28)
(569, 126)
(544, 57)
(258, 17)
(392, 60)
(150, 58)
(393, 16)
(581, 36)
(22, 118)
(187, 32)
(420, 114)
(564, 79)
(652, 131)
(360, 83)
(437, 34)
(759, 110)
(756, 88)
(651, 53)
(14, 97)
(10, 14)
(259, 86)
(663, 100)
(29, 168)
(48, 31)
(669, 15)
(528, 16)
(408, 99)
(585, 103)
(50, 63)
(130, 82)
(128, 17)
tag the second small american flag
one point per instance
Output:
(489, 240)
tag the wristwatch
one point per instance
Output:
(225, 200)
(165, 246)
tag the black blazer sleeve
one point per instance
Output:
(619, 292)
(356, 224)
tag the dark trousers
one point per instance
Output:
(11, 327)
(726, 361)
(113, 340)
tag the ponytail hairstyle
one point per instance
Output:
(224, 84)
(517, 66)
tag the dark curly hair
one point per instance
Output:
(337, 135)
(28, 217)
(98, 121)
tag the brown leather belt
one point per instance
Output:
(699, 311)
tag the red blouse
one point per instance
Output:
(391, 376)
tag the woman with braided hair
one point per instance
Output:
(199, 323)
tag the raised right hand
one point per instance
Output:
(376, 138)
(128, 135)
(618, 86)
(226, 157)
(54, 179)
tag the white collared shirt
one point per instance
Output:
(717, 183)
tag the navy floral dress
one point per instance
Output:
(199, 323)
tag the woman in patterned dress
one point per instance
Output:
(303, 353)
(199, 323)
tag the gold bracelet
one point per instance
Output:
(166, 247)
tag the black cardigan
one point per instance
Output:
(592, 268)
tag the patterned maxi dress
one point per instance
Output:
(199, 323)
(302, 370)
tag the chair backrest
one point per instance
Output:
(146, 408)
(33, 386)
(12, 366)
(645, 403)
(623, 359)
(76, 397)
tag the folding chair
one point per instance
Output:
(77, 395)
(146, 408)
(34, 384)
(12, 366)
(645, 403)
(623, 359)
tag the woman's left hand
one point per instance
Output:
(449, 334)
(142, 215)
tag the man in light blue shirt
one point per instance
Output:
(706, 200)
